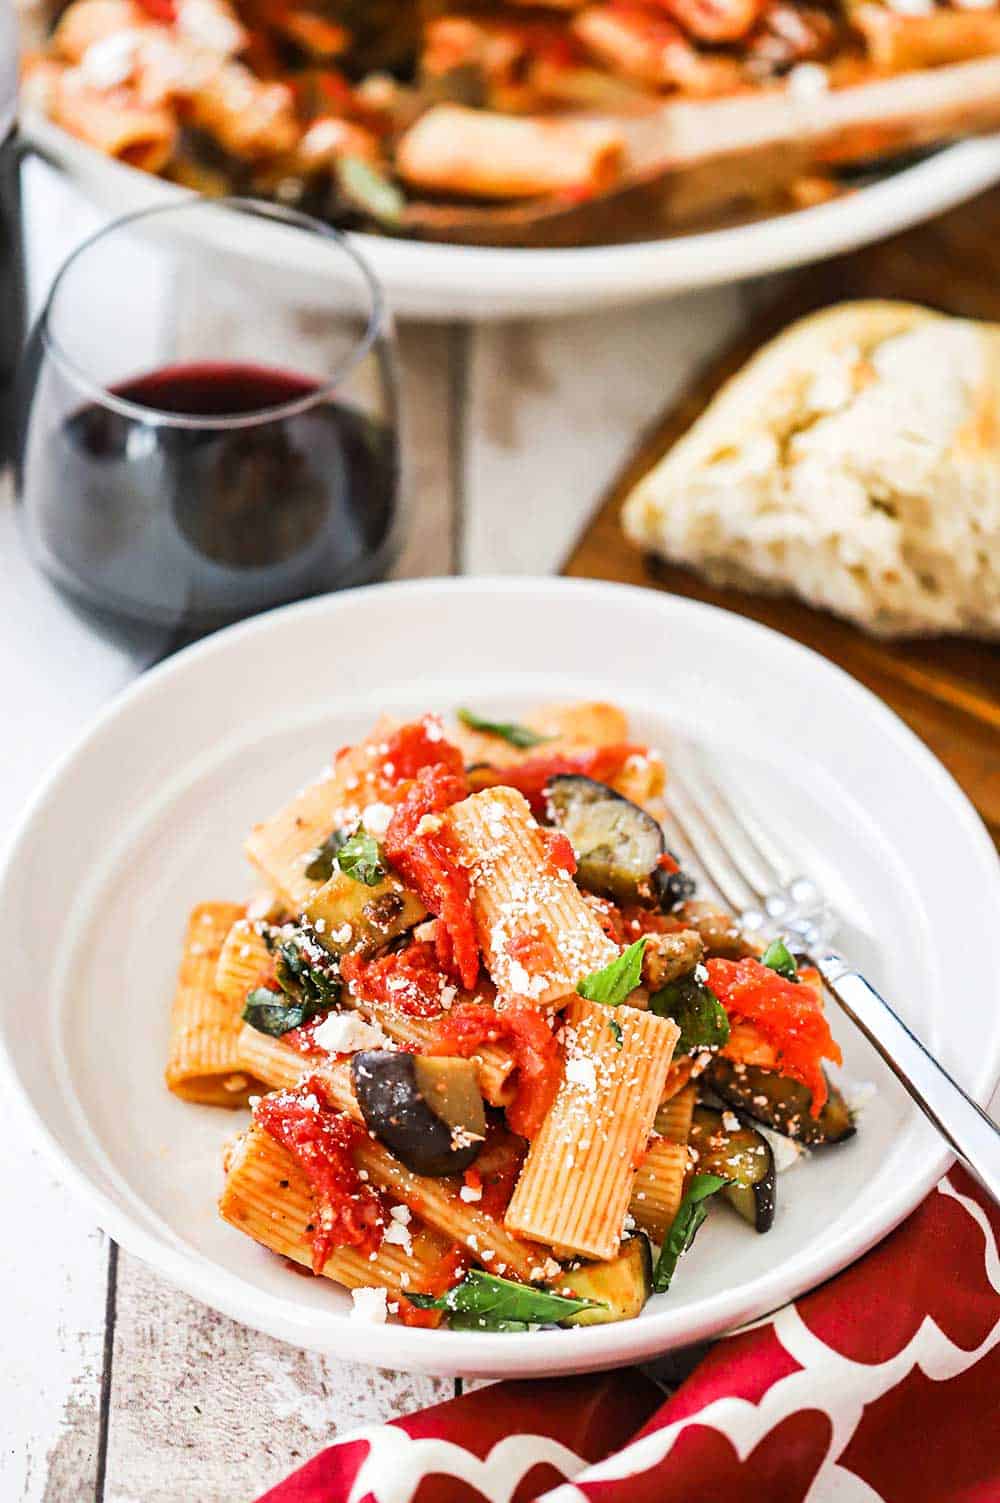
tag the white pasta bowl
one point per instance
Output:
(426, 280)
(146, 816)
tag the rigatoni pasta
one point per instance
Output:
(455, 1015)
(576, 1184)
(537, 934)
(204, 1061)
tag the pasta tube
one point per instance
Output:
(281, 847)
(538, 935)
(455, 150)
(576, 1183)
(267, 1196)
(437, 1201)
(204, 1062)
(565, 728)
(659, 1187)
(673, 1119)
(117, 124)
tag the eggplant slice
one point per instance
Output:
(617, 844)
(740, 1155)
(780, 1102)
(621, 1286)
(428, 1111)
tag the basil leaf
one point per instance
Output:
(272, 1012)
(306, 971)
(370, 191)
(690, 1214)
(778, 957)
(612, 985)
(321, 866)
(484, 1302)
(360, 858)
(457, 1322)
(696, 1010)
(521, 736)
(615, 1029)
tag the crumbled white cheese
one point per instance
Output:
(110, 61)
(207, 25)
(375, 818)
(469, 1193)
(369, 1306)
(346, 1033)
(401, 1213)
(341, 935)
(701, 973)
(580, 1071)
(808, 81)
(398, 1235)
(730, 1122)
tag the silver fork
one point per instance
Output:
(755, 880)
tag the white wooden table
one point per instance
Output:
(113, 1386)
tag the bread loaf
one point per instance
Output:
(855, 461)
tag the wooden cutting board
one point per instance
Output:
(946, 689)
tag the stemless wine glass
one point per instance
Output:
(209, 419)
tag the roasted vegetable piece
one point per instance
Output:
(617, 844)
(780, 1102)
(348, 915)
(427, 1110)
(619, 1287)
(742, 1156)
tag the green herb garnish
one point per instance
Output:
(617, 980)
(696, 1010)
(309, 980)
(521, 736)
(360, 857)
(615, 1029)
(324, 858)
(690, 1214)
(484, 1302)
(273, 1013)
(778, 957)
(369, 190)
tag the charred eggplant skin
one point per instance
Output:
(620, 1287)
(408, 1112)
(743, 1157)
(618, 845)
(781, 1103)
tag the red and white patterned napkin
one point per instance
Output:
(881, 1386)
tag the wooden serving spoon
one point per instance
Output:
(690, 160)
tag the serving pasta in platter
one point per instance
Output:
(435, 119)
(499, 1058)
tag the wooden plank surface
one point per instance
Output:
(946, 689)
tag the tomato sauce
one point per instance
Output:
(427, 860)
(788, 1015)
(531, 776)
(349, 1212)
(559, 850)
(411, 980)
(418, 745)
(538, 1060)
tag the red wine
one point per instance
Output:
(189, 522)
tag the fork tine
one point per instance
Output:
(714, 857)
(772, 861)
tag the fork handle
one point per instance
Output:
(970, 1132)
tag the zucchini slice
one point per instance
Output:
(780, 1102)
(427, 1110)
(617, 844)
(742, 1156)
(621, 1286)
